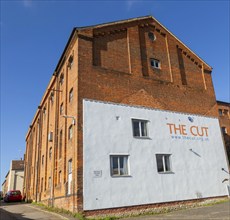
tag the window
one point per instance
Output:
(140, 128)
(226, 112)
(119, 165)
(62, 79)
(69, 176)
(60, 144)
(155, 63)
(71, 95)
(220, 112)
(59, 177)
(50, 152)
(70, 132)
(49, 182)
(163, 163)
(151, 36)
(42, 159)
(70, 166)
(224, 130)
(44, 112)
(70, 62)
(52, 98)
(61, 109)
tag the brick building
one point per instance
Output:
(80, 146)
(224, 117)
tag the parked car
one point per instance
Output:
(13, 196)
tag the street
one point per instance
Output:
(23, 211)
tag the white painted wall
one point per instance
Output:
(193, 176)
(16, 178)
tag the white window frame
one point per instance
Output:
(140, 121)
(163, 157)
(155, 63)
(120, 172)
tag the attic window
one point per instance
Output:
(155, 63)
(151, 36)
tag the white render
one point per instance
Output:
(196, 164)
(16, 180)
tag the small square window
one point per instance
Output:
(220, 112)
(226, 112)
(163, 163)
(155, 63)
(139, 128)
(119, 165)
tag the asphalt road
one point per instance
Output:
(24, 211)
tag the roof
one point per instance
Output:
(223, 103)
(17, 165)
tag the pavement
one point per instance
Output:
(212, 212)
(25, 211)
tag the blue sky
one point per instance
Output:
(34, 34)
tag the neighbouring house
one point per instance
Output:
(224, 118)
(15, 177)
(129, 118)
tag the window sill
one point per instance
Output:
(137, 137)
(168, 172)
(121, 176)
